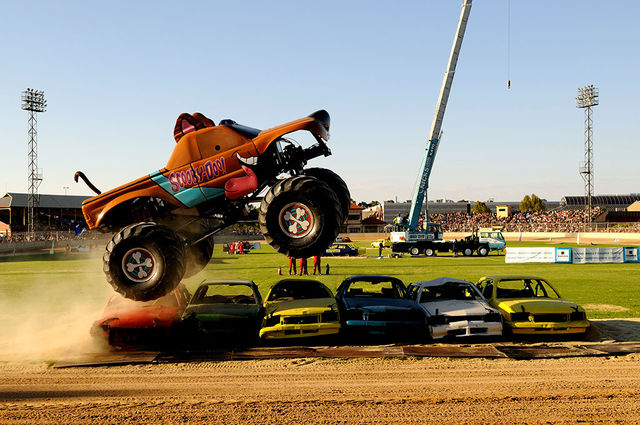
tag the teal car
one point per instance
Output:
(223, 311)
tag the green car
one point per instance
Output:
(298, 308)
(223, 311)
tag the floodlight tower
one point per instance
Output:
(588, 97)
(34, 102)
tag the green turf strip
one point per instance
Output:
(612, 289)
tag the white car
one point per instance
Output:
(455, 308)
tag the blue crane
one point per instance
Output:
(435, 134)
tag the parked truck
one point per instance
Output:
(430, 242)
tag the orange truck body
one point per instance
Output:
(201, 164)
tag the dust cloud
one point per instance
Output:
(49, 321)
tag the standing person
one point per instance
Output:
(303, 266)
(240, 248)
(292, 265)
(380, 246)
(316, 264)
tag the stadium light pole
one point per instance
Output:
(588, 96)
(34, 102)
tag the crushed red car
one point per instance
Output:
(128, 323)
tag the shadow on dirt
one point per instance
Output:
(614, 329)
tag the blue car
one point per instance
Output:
(378, 305)
(341, 249)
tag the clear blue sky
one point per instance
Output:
(117, 74)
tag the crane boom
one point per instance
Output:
(434, 135)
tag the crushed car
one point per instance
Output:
(455, 308)
(530, 305)
(378, 305)
(223, 311)
(296, 308)
(128, 323)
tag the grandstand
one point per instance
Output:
(608, 202)
(55, 212)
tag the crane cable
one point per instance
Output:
(508, 44)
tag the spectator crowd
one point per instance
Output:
(538, 221)
(47, 236)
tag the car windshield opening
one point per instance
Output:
(449, 291)
(298, 291)
(380, 289)
(224, 294)
(525, 288)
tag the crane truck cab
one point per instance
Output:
(492, 237)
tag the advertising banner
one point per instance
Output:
(530, 255)
(573, 255)
(597, 255)
(631, 255)
(563, 255)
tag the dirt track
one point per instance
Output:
(567, 390)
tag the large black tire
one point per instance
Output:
(336, 183)
(300, 216)
(483, 250)
(198, 256)
(144, 261)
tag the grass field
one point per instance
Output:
(64, 280)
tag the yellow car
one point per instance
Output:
(386, 243)
(530, 305)
(298, 308)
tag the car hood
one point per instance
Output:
(218, 311)
(457, 307)
(306, 306)
(143, 317)
(378, 304)
(547, 305)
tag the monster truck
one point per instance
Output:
(164, 222)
